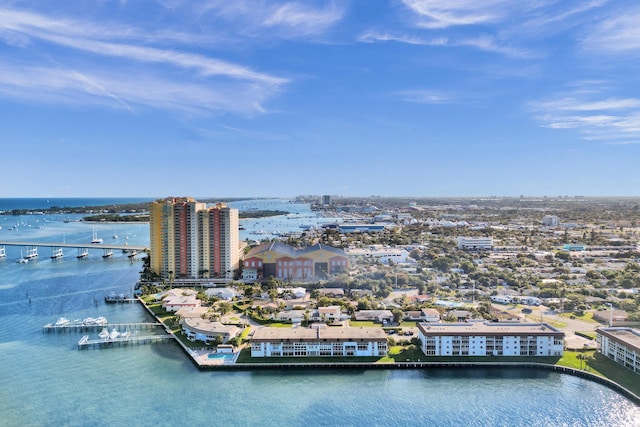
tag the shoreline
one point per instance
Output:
(397, 365)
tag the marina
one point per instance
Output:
(65, 325)
(121, 340)
(56, 384)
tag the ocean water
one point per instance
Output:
(8, 204)
(46, 381)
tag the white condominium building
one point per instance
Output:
(620, 344)
(318, 341)
(475, 243)
(490, 339)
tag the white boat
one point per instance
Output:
(95, 238)
(104, 334)
(114, 334)
(3, 252)
(62, 322)
(125, 334)
(115, 236)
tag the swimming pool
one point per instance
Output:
(221, 356)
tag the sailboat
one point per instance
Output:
(115, 236)
(95, 238)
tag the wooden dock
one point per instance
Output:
(118, 300)
(86, 343)
(80, 327)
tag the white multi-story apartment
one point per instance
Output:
(318, 341)
(190, 240)
(550, 221)
(490, 339)
(620, 344)
(379, 254)
(475, 243)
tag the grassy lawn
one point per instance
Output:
(570, 360)
(555, 323)
(604, 367)
(616, 372)
(408, 324)
(586, 317)
(245, 333)
(365, 323)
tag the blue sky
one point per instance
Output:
(346, 97)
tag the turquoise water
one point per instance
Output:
(221, 356)
(46, 381)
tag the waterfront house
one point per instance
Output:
(197, 329)
(490, 339)
(175, 303)
(192, 312)
(622, 345)
(318, 341)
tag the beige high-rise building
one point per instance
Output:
(189, 240)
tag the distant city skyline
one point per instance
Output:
(255, 98)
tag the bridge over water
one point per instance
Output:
(83, 248)
(76, 245)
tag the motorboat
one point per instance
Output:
(104, 334)
(62, 321)
(114, 334)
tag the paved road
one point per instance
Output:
(545, 314)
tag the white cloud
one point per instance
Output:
(191, 81)
(422, 96)
(69, 86)
(289, 19)
(483, 43)
(596, 118)
(435, 14)
(300, 19)
(616, 34)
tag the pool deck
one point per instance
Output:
(202, 359)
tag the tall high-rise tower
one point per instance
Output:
(189, 240)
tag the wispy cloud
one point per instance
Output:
(595, 117)
(483, 43)
(424, 96)
(81, 87)
(289, 19)
(435, 14)
(194, 81)
(616, 34)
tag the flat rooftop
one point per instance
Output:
(488, 328)
(629, 337)
(316, 334)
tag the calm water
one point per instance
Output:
(46, 381)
